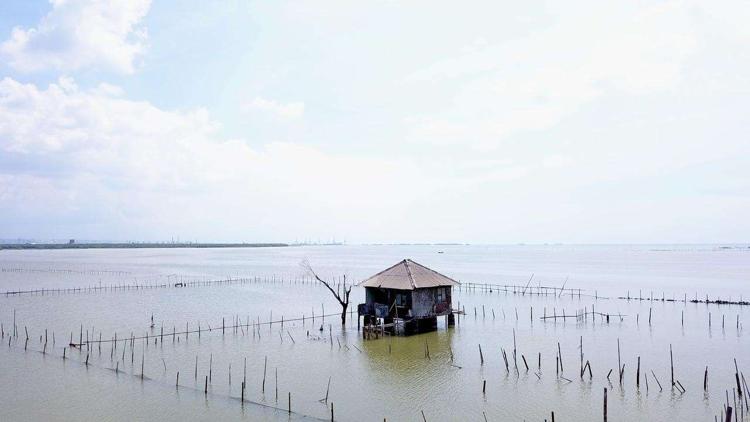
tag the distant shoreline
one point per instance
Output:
(20, 246)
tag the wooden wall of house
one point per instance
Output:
(422, 301)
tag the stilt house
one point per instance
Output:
(407, 298)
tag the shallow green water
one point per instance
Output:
(370, 380)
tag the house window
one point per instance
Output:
(401, 299)
(440, 294)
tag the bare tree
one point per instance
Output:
(341, 296)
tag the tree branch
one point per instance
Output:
(306, 265)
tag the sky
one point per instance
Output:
(375, 121)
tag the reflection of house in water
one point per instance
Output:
(406, 299)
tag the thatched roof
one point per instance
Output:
(408, 275)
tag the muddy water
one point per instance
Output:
(370, 380)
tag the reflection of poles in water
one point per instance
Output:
(328, 388)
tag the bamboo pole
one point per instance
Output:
(619, 364)
(638, 374)
(263, 384)
(705, 379)
(671, 364)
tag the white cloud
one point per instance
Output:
(534, 82)
(535, 125)
(106, 89)
(289, 110)
(91, 158)
(81, 33)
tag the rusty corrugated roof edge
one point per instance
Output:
(380, 273)
(436, 272)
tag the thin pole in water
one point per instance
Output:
(671, 364)
(263, 385)
(638, 374)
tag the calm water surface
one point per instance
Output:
(370, 380)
